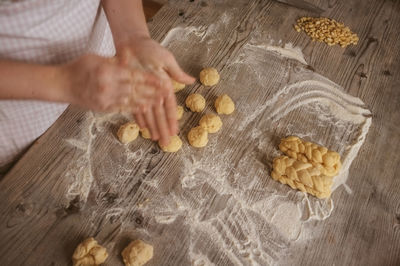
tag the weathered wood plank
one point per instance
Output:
(130, 191)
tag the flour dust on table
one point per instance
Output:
(232, 213)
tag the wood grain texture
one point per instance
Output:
(42, 219)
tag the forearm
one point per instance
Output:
(126, 19)
(30, 81)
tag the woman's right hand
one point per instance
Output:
(104, 84)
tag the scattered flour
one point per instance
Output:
(287, 51)
(236, 213)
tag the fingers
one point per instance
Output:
(160, 85)
(151, 124)
(170, 109)
(162, 124)
(176, 73)
(140, 120)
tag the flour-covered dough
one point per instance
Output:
(177, 85)
(128, 132)
(174, 145)
(210, 122)
(137, 253)
(224, 105)
(302, 176)
(198, 137)
(209, 76)
(179, 112)
(145, 133)
(89, 253)
(328, 162)
(195, 102)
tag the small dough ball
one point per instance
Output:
(145, 133)
(179, 112)
(128, 132)
(209, 76)
(210, 122)
(195, 102)
(177, 85)
(224, 105)
(198, 137)
(137, 253)
(89, 253)
(175, 144)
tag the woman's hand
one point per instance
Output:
(104, 84)
(143, 52)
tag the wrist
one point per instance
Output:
(64, 79)
(132, 37)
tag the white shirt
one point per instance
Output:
(45, 32)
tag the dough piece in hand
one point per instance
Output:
(177, 85)
(195, 102)
(198, 137)
(224, 105)
(137, 253)
(302, 176)
(175, 144)
(328, 162)
(209, 76)
(179, 112)
(145, 133)
(89, 253)
(210, 122)
(128, 132)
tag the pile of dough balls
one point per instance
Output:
(209, 123)
(90, 253)
(195, 102)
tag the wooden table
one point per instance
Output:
(77, 181)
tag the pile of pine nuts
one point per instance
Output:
(326, 30)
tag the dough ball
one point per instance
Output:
(224, 105)
(137, 253)
(195, 102)
(128, 132)
(145, 133)
(89, 253)
(179, 112)
(209, 76)
(210, 122)
(198, 137)
(174, 145)
(177, 85)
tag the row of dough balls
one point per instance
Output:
(90, 253)
(223, 104)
